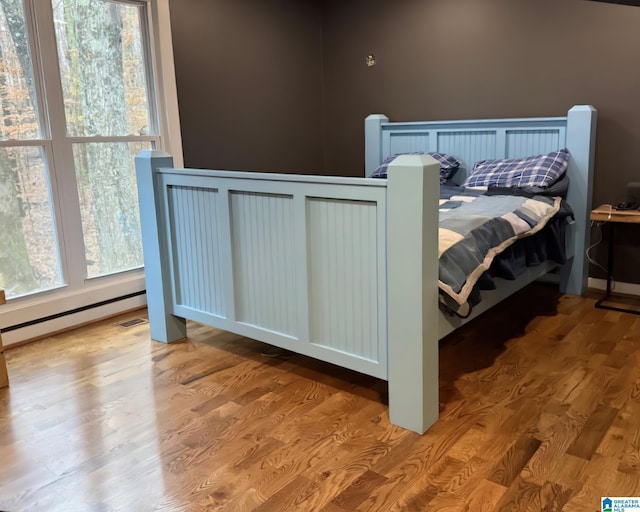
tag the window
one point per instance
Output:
(29, 259)
(80, 95)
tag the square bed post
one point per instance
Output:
(163, 325)
(413, 187)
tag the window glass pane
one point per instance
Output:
(28, 255)
(18, 119)
(102, 67)
(109, 205)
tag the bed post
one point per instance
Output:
(581, 133)
(164, 326)
(412, 279)
(373, 142)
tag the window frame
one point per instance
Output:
(77, 291)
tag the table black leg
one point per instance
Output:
(610, 259)
(599, 303)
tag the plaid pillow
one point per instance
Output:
(448, 165)
(534, 171)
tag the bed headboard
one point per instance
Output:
(469, 140)
(473, 140)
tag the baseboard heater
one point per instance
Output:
(71, 312)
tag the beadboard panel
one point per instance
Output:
(522, 143)
(243, 249)
(469, 146)
(197, 262)
(408, 143)
(262, 234)
(343, 275)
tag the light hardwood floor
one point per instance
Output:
(540, 410)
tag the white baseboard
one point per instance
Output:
(66, 322)
(39, 315)
(624, 288)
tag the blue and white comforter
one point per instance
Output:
(475, 228)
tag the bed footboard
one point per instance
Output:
(339, 269)
(294, 262)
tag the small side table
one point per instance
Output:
(611, 216)
(4, 375)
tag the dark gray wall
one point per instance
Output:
(449, 59)
(282, 85)
(249, 79)
(459, 59)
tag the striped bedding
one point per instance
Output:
(475, 228)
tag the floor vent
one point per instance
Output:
(131, 323)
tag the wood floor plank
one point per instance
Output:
(466, 481)
(629, 442)
(519, 496)
(446, 502)
(544, 462)
(540, 410)
(485, 496)
(593, 432)
(362, 487)
(426, 487)
(510, 466)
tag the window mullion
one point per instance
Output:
(160, 53)
(36, 62)
(63, 182)
(150, 72)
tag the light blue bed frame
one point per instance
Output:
(341, 269)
